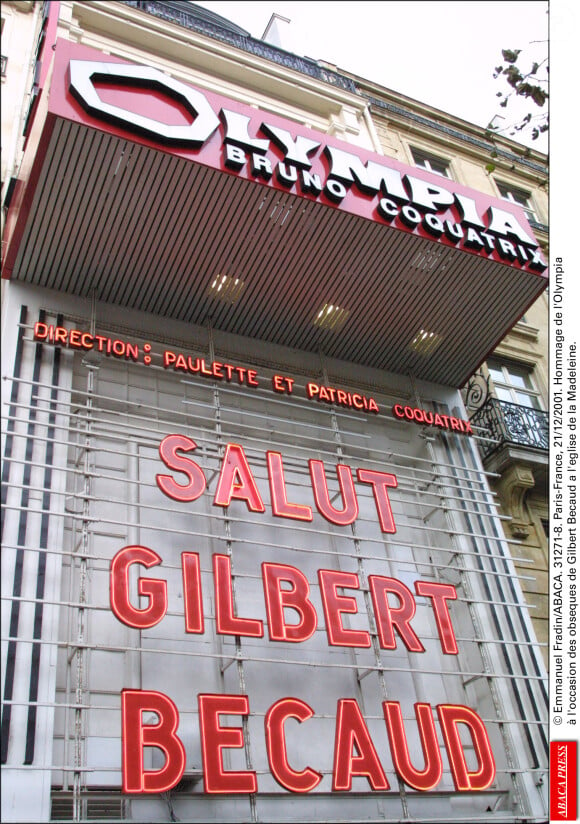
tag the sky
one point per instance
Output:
(442, 52)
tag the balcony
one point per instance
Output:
(213, 25)
(511, 425)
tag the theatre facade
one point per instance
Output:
(252, 566)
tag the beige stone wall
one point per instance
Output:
(522, 487)
(20, 24)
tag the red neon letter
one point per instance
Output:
(388, 618)
(236, 481)
(352, 730)
(280, 504)
(334, 604)
(380, 481)
(278, 599)
(341, 517)
(196, 479)
(439, 594)
(151, 588)
(226, 622)
(136, 736)
(430, 776)
(192, 600)
(214, 738)
(450, 715)
(296, 782)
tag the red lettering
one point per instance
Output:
(226, 622)
(349, 512)
(351, 730)
(380, 481)
(215, 738)
(151, 588)
(335, 604)
(439, 593)
(389, 618)
(450, 715)
(277, 600)
(236, 481)
(280, 383)
(192, 600)
(280, 504)
(427, 778)
(296, 782)
(136, 736)
(75, 338)
(40, 331)
(168, 449)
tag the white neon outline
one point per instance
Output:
(199, 627)
(222, 571)
(392, 586)
(281, 507)
(333, 631)
(145, 733)
(167, 483)
(382, 502)
(231, 467)
(120, 579)
(241, 706)
(267, 568)
(302, 712)
(355, 738)
(462, 778)
(349, 513)
(429, 744)
(441, 610)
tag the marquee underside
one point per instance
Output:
(151, 231)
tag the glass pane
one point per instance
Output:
(496, 373)
(525, 399)
(519, 377)
(504, 394)
(439, 166)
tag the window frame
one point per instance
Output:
(510, 193)
(511, 388)
(418, 154)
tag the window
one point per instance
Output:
(513, 382)
(519, 197)
(432, 163)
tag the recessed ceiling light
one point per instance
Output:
(226, 288)
(331, 316)
(425, 342)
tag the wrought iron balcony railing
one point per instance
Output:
(197, 19)
(508, 423)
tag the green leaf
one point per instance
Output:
(510, 55)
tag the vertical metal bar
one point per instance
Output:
(43, 545)
(229, 552)
(84, 549)
(366, 593)
(486, 663)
